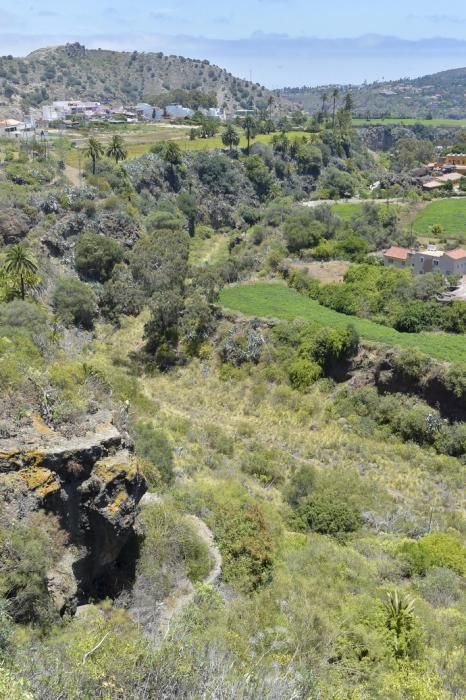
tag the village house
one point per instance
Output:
(449, 262)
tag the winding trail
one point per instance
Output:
(159, 625)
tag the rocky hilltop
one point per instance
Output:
(93, 485)
(73, 71)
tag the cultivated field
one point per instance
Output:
(278, 301)
(140, 137)
(449, 213)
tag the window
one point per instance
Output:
(435, 262)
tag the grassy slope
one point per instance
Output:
(277, 301)
(348, 210)
(449, 213)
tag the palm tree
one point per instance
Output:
(94, 151)
(172, 154)
(21, 266)
(324, 97)
(249, 126)
(230, 137)
(335, 94)
(117, 149)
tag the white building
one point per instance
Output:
(178, 111)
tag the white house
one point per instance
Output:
(178, 111)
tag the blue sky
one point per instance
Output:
(278, 42)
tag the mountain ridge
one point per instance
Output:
(441, 94)
(73, 71)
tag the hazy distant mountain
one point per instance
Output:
(437, 95)
(72, 71)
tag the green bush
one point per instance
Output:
(96, 256)
(303, 373)
(75, 302)
(170, 547)
(153, 446)
(326, 516)
(438, 549)
(301, 485)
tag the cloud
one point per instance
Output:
(437, 19)
(167, 16)
(222, 20)
(47, 14)
(278, 60)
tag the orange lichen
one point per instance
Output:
(41, 427)
(41, 481)
(114, 507)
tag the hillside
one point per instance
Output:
(72, 71)
(439, 95)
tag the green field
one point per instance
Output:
(263, 299)
(347, 210)
(410, 121)
(449, 213)
(139, 139)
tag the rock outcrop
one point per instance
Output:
(93, 485)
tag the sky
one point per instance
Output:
(276, 42)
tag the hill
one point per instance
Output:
(73, 71)
(439, 95)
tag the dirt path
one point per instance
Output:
(352, 200)
(172, 606)
(73, 175)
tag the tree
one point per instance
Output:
(249, 126)
(96, 256)
(349, 103)
(172, 154)
(324, 98)
(117, 149)
(230, 137)
(75, 302)
(335, 94)
(187, 204)
(94, 151)
(21, 266)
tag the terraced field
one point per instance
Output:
(267, 300)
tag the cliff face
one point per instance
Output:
(93, 485)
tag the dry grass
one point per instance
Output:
(331, 271)
(193, 403)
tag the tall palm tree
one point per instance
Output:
(117, 149)
(21, 266)
(249, 126)
(94, 151)
(172, 154)
(324, 98)
(230, 137)
(335, 94)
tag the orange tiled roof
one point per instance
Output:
(456, 254)
(397, 252)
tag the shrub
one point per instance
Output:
(302, 230)
(153, 446)
(303, 373)
(330, 347)
(23, 315)
(75, 302)
(96, 256)
(437, 549)
(301, 484)
(327, 517)
(171, 548)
